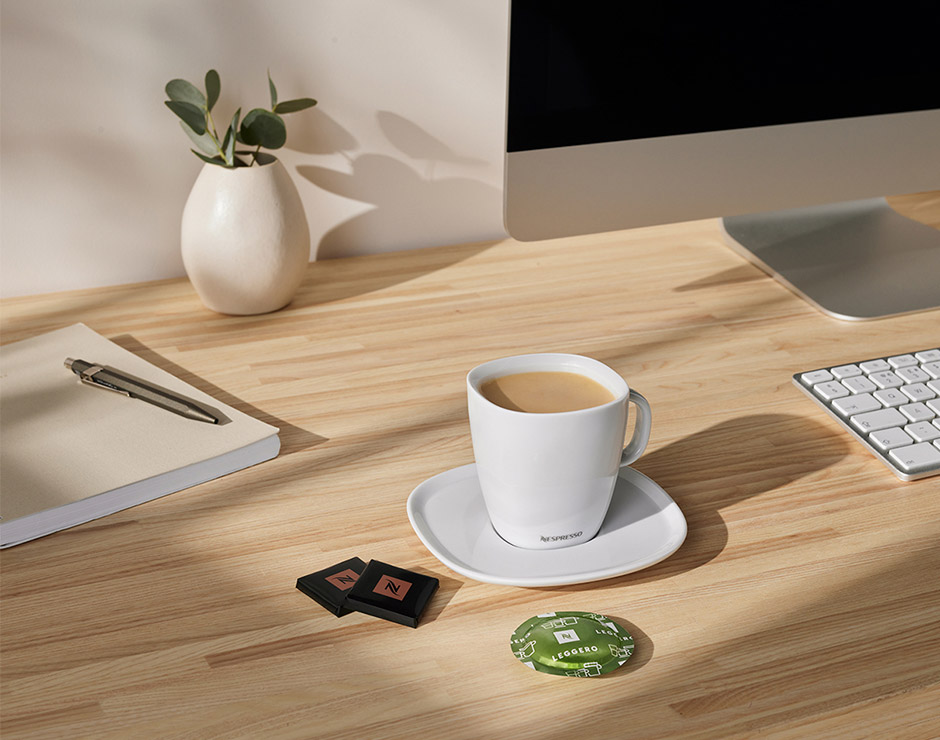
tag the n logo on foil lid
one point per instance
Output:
(566, 636)
(392, 587)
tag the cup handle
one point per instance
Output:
(641, 430)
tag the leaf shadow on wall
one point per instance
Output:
(321, 134)
(411, 204)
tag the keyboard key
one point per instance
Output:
(932, 369)
(886, 379)
(917, 412)
(846, 371)
(923, 431)
(928, 355)
(859, 404)
(934, 405)
(891, 398)
(888, 439)
(859, 385)
(816, 376)
(875, 420)
(916, 458)
(913, 375)
(830, 390)
(875, 366)
(902, 361)
(934, 385)
(918, 392)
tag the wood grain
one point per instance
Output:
(805, 602)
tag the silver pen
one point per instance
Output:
(102, 376)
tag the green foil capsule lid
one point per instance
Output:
(572, 644)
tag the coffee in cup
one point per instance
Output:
(545, 392)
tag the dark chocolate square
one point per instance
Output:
(330, 586)
(392, 593)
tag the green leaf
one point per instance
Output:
(263, 128)
(228, 145)
(185, 92)
(292, 106)
(211, 160)
(273, 91)
(194, 117)
(213, 88)
(205, 143)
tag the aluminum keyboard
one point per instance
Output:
(890, 404)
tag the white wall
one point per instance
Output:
(404, 149)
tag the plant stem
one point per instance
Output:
(214, 135)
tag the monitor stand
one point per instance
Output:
(854, 261)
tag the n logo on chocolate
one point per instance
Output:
(344, 580)
(392, 587)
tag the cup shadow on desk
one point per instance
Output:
(729, 463)
(293, 438)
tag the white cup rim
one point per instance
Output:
(549, 361)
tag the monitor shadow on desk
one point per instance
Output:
(329, 280)
(743, 273)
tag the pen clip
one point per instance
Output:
(87, 376)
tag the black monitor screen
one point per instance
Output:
(588, 72)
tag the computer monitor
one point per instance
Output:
(790, 121)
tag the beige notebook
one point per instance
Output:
(70, 453)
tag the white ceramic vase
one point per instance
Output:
(244, 237)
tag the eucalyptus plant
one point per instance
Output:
(261, 127)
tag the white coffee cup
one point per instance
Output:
(547, 478)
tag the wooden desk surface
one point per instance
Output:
(805, 602)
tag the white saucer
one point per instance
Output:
(643, 526)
